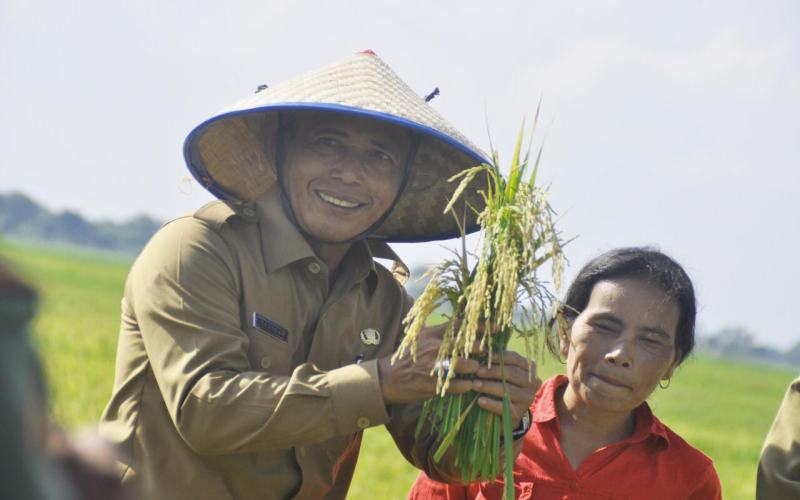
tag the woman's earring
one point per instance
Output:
(664, 386)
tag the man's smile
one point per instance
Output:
(337, 200)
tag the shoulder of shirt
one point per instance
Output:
(213, 215)
(390, 279)
(685, 451)
(381, 250)
(204, 225)
(216, 213)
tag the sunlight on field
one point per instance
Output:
(724, 408)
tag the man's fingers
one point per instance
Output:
(492, 388)
(519, 396)
(459, 386)
(514, 374)
(511, 358)
(496, 406)
(491, 404)
(466, 366)
(488, 387)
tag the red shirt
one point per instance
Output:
(653, 463)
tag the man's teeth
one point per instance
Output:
(337, 201)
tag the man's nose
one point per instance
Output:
(350, 168)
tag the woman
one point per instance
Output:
(626, 324)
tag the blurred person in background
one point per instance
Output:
(38, 461)
(779, 467)
(626, 324)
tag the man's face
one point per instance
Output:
(621, 345)
(342, 173)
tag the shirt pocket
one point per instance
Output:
(269, 354)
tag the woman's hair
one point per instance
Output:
(647, 264)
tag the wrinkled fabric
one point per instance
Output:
(239, 374)
(779, 467)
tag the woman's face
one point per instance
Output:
(343, 173)
(621, 345)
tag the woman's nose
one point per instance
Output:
(620, 355)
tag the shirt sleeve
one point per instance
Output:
(184, 293)
(779, 467)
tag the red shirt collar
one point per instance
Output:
(544, 410)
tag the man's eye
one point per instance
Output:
(381, 156)
(326, 142)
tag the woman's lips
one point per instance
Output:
(611, 381)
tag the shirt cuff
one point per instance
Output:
(356, 396)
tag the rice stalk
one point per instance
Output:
(491, 299)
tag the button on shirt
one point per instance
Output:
(653, 463)
(235, 371)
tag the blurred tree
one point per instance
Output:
(22, 217)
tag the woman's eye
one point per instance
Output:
(603, 328)
(654, 342)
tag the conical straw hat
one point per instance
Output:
(232, 154)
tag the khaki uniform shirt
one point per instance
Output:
(779, 468)
(239, 374)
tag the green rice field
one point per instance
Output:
(722, 407)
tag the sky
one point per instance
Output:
(673, 124)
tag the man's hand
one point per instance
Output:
(521, 390)
(408, 382)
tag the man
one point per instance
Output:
(256, 334)
(779, 467)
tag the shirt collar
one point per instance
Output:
(647, 425)
(282, 243)
(544, 405)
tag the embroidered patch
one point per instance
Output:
(370, 336)
(269, 327)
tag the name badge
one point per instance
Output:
(269, 327)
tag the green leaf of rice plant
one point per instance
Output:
(508, 475)
(516, 169)
(448, 439)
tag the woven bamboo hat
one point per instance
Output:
(233, 153)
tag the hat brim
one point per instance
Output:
(233, 156)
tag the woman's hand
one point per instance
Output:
(521, 389)
(408, 382)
